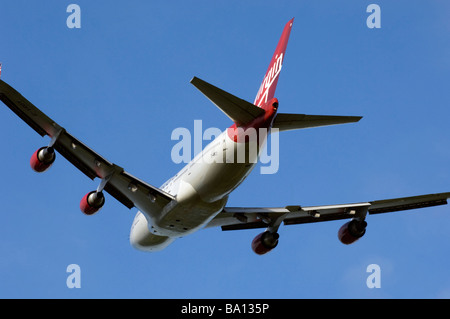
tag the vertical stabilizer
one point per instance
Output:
(267, 89)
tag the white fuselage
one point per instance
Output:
(201, 191)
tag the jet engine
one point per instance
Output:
(42, 159)
(265, 242)
(352, 231)
(92, 202)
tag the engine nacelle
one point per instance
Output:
(265, 242)
(352, 231)
(92, 202)
(42, 159)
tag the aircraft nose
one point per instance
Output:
(142, 239)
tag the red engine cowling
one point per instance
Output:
(352, 231)
(92, 202)
(42, 159)
(265, 242)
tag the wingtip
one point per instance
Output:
(193, 79)
(355, 119)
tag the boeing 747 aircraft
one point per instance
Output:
(196, 197)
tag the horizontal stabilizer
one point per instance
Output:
(239, 111)
(287, 122)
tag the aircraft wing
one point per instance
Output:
(126, 188)
(235, 218)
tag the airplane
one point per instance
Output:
(196, 197)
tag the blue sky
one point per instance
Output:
(121, 85)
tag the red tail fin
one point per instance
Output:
(267, 89)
